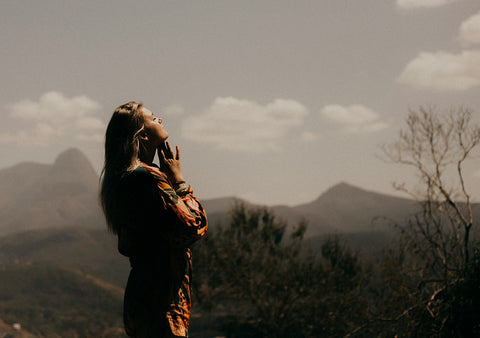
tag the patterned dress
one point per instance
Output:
(157, 226)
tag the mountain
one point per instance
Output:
(65, 193)
(343, 208)
(348, 209)
(90, 250)
(218, 209)
(51, 301)
(36, 195)
(55, 251)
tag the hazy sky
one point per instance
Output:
(272, 101)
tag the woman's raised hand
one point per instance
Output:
(170, 162)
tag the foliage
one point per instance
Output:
(436, 270)
(54, 302)
(91, 250)
(437, 146)
(254, 270)
(255, 277)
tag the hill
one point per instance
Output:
(343, 208)
(61, 273)
(348, 209)
(218, 209)
(36, 195)
(14, 331)
(50, 301)
(92, 251)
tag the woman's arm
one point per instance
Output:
(185, 213)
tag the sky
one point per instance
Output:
(271, 101)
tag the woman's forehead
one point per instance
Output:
(147, 111)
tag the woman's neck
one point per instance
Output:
(147, 155)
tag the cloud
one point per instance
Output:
(89, 123)
(40, 135)
(242, 125)
(443, 71)
(54, 107)
(52, 117)
(411, 4)
(354, 119)
(353, 114)
(469, 32)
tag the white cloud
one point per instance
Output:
(354, 119)
(242, 125)
(51, 117)
(89, 123)
(54, 107)
(40, 135)
(469, 32)
(353, 114)
(443, 71)
(411, 4)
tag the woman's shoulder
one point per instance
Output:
(152, 170)
(137, 176)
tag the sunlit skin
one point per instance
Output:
(154, 140)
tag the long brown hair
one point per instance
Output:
(122, 148)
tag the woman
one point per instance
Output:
(156, 218)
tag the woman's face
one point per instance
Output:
(156, 132)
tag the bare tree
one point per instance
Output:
(437, 146)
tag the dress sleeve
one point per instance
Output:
(185, 211)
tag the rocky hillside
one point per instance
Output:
(36, 195)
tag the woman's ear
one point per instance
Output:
(143, 136)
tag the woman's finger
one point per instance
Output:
(163, 158)
(177, 157)
(170, 151)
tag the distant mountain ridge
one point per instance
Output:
(65, 193)
(36, 195)
(54, 238)
(345, 208)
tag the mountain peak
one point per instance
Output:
(343, 188)
(343, 192)
(70, 156)
(73, 166)
(61, 194)
(73, 160)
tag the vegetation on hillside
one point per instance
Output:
(260, 282)
(90, 250)
(256, 279)
(427, 284)
(53, 302)
(254, 276)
